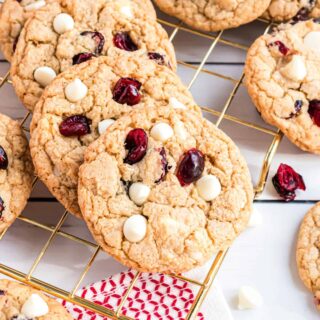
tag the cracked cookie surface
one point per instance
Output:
(56, 157)
(182, 229)
(283, 80)
(284, 10)
(214, 15)
(14, 295)
(16, 171)
(308, 249)
(64, 33)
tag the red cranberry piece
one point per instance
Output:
(2, 293)
(136, 143)
(287, 181)
(159, 58)
(297, 108)
(302, 15)
(281, 47)
(191, 167)
(314, 111)
(123, 41)
(164, 164)
(98, 38)
(75, 126)
(82, 57)
(2, 207)
(126, 91)
(3, 159)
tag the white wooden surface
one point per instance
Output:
(262, 257)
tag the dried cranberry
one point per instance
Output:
(122, 40)
(281, 47)
(164, 164)
(126, 91)
(287, 181)
(77, 125)
(2, 293)
(314, 111)
(159, 58)
(136, 143)
(297, 108)
(302, 15)
(2, 207)
(82, 57)
(98, 38)
(3, 159)
(191, 167)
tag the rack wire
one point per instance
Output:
(56, 231)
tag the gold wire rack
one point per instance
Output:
(55, 230)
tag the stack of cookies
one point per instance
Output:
(117, 138)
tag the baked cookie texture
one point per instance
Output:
(182, 229)
(16, 171)
(308, 249)
(56, 157)
(89, 28)
(14, 305)
(214, 15)
(15, 13)
(284, 10)
(283, 81)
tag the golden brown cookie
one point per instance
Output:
(163, 189)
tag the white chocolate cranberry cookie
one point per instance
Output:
(284, 10)
(20, 302)
(214, 15)
(308, 250)
(83, 101)
(163, 189)
(14, 14)
(283, 80)
(69, 32)
(16, 171)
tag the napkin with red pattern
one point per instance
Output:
(154, 296)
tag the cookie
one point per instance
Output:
(283, 80)
(15, 13)
(65, 33)
(163, 189)
(95, 92)
(284, 10)
(16, 171)
(308, 249)
(20, 302)
(214, 15)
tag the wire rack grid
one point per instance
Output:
(55, 230)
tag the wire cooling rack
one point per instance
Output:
(54, 231)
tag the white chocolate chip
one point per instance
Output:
(255, 219)
(35, 5)
(312, 40)
(62, 23)
(135, 228)
(76, 90)
(249, 298)
(161, 132)
(180, 130)
(296, 69)
(176, 104)
(124, 7)
(104, 125)
(35, 306)
(139, 193)
(44, 75)
(209, 187)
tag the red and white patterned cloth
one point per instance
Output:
(154, 296)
